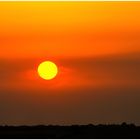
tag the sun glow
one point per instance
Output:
(47, 70)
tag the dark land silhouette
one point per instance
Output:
(69, 132)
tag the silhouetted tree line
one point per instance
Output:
(74, 131)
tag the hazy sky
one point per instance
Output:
(96, 46)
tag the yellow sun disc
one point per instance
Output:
(47, 70)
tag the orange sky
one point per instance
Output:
(68, 28)
(96, 46)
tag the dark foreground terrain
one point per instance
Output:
(74, 131)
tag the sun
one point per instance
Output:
(47, 70)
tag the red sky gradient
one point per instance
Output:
(96, 46)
